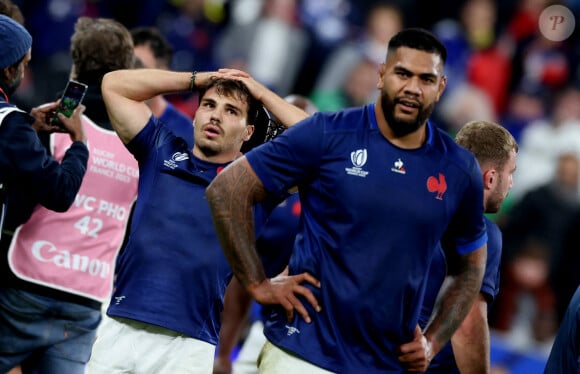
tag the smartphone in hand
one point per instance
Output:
(71, 98)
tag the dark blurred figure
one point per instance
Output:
(271, 48)
(533, 232)
(348, 77)
(8, 8)
(566, 278)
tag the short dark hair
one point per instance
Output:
(154, 39)
(420, 39)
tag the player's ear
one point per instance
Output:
(248, 132)
(442, 85)
(381, 75)
(489, 177)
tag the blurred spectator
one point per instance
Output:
(8, 8)
(359, 88)
(535, 59)
(330, 21)
(543, 140)
(364, 52)
(192, 28)
(463, 104)
(543, 62)
(566, 277)
(533, 232)
(329, 24)
(474, 54)
(271, 49)
(526, 104)
(523, 23)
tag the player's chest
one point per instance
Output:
(418, 182)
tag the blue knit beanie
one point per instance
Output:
(15, 41)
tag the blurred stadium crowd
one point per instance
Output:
(500, 67)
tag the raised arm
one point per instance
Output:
(286, 113)
(125, 93)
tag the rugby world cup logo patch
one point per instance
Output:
(358, 159)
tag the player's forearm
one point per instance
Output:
(237, 304)
(456, 298)
(233, 219)
(471, 341)
(286, 113)
(143, 84)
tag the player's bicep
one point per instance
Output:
(128, 117)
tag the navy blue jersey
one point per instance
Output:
(172, 272)
(372, 217)
(565, 354)
(444, 362)
(276, 240)
(179, 123)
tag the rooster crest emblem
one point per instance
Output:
(437, 185)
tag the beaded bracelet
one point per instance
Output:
(192, 81)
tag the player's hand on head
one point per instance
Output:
(256, 88)
(416, 355)
(285, 290)
(232, 73)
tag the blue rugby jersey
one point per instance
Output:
(444, 362)
(276, 240)
(565, 352)
(172, 272)
(372, 217)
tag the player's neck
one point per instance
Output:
(221, 158)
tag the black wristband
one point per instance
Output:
(192, 81)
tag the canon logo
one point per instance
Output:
(45, 251)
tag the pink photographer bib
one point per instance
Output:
(75, 251)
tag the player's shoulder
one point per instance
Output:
(345, 120)
(494, 234)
